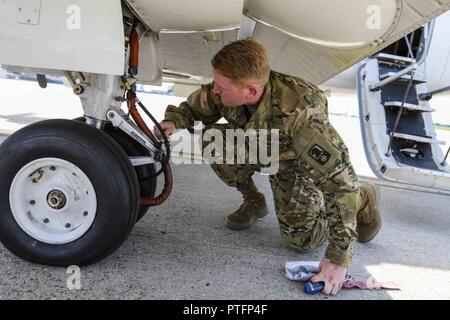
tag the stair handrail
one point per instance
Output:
(426, 40)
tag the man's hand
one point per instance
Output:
(167, 126)
(333, 275)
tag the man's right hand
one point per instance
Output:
(168, 128)
(332, 275)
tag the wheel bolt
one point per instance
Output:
(85, 213)
(46, 220)
(32, 202)
(68, 225)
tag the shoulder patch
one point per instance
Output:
(319, 154)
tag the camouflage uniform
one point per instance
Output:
(314, 162)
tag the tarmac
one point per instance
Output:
(183, 250)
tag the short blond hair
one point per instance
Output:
(243, 60)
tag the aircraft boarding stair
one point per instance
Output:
(397, 126)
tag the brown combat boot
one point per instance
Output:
(368, 218)
(254, 207)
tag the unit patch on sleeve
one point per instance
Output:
(320, 155)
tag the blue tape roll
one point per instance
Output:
(314, 287)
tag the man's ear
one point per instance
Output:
(252, 90)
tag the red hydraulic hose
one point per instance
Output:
(134, 52)
(138, 119)
(168, 179)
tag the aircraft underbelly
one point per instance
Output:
(339, 23)
(189, 15)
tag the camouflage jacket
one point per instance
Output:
(282, 103)
(299, 110)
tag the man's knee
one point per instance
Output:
(307, 237)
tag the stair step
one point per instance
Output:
(405, 77)
(418, 138)
(408, 106)
(390, 58)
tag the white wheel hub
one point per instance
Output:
(53, 200)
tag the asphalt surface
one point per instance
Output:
(182, 250)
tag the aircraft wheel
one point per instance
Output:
(68, 193)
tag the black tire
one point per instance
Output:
(109, 171)
(147, 185)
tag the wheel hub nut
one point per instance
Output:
(56, 199)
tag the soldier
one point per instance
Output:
(316, 193)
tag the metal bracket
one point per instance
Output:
(140, 161)
(131, 129)
(75, 82)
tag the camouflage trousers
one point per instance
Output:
(303, 210)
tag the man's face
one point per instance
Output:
(231, 94)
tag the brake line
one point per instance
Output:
(131, 102)
(168, 178)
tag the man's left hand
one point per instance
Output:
(333, 275)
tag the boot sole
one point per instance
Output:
(235, 226)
